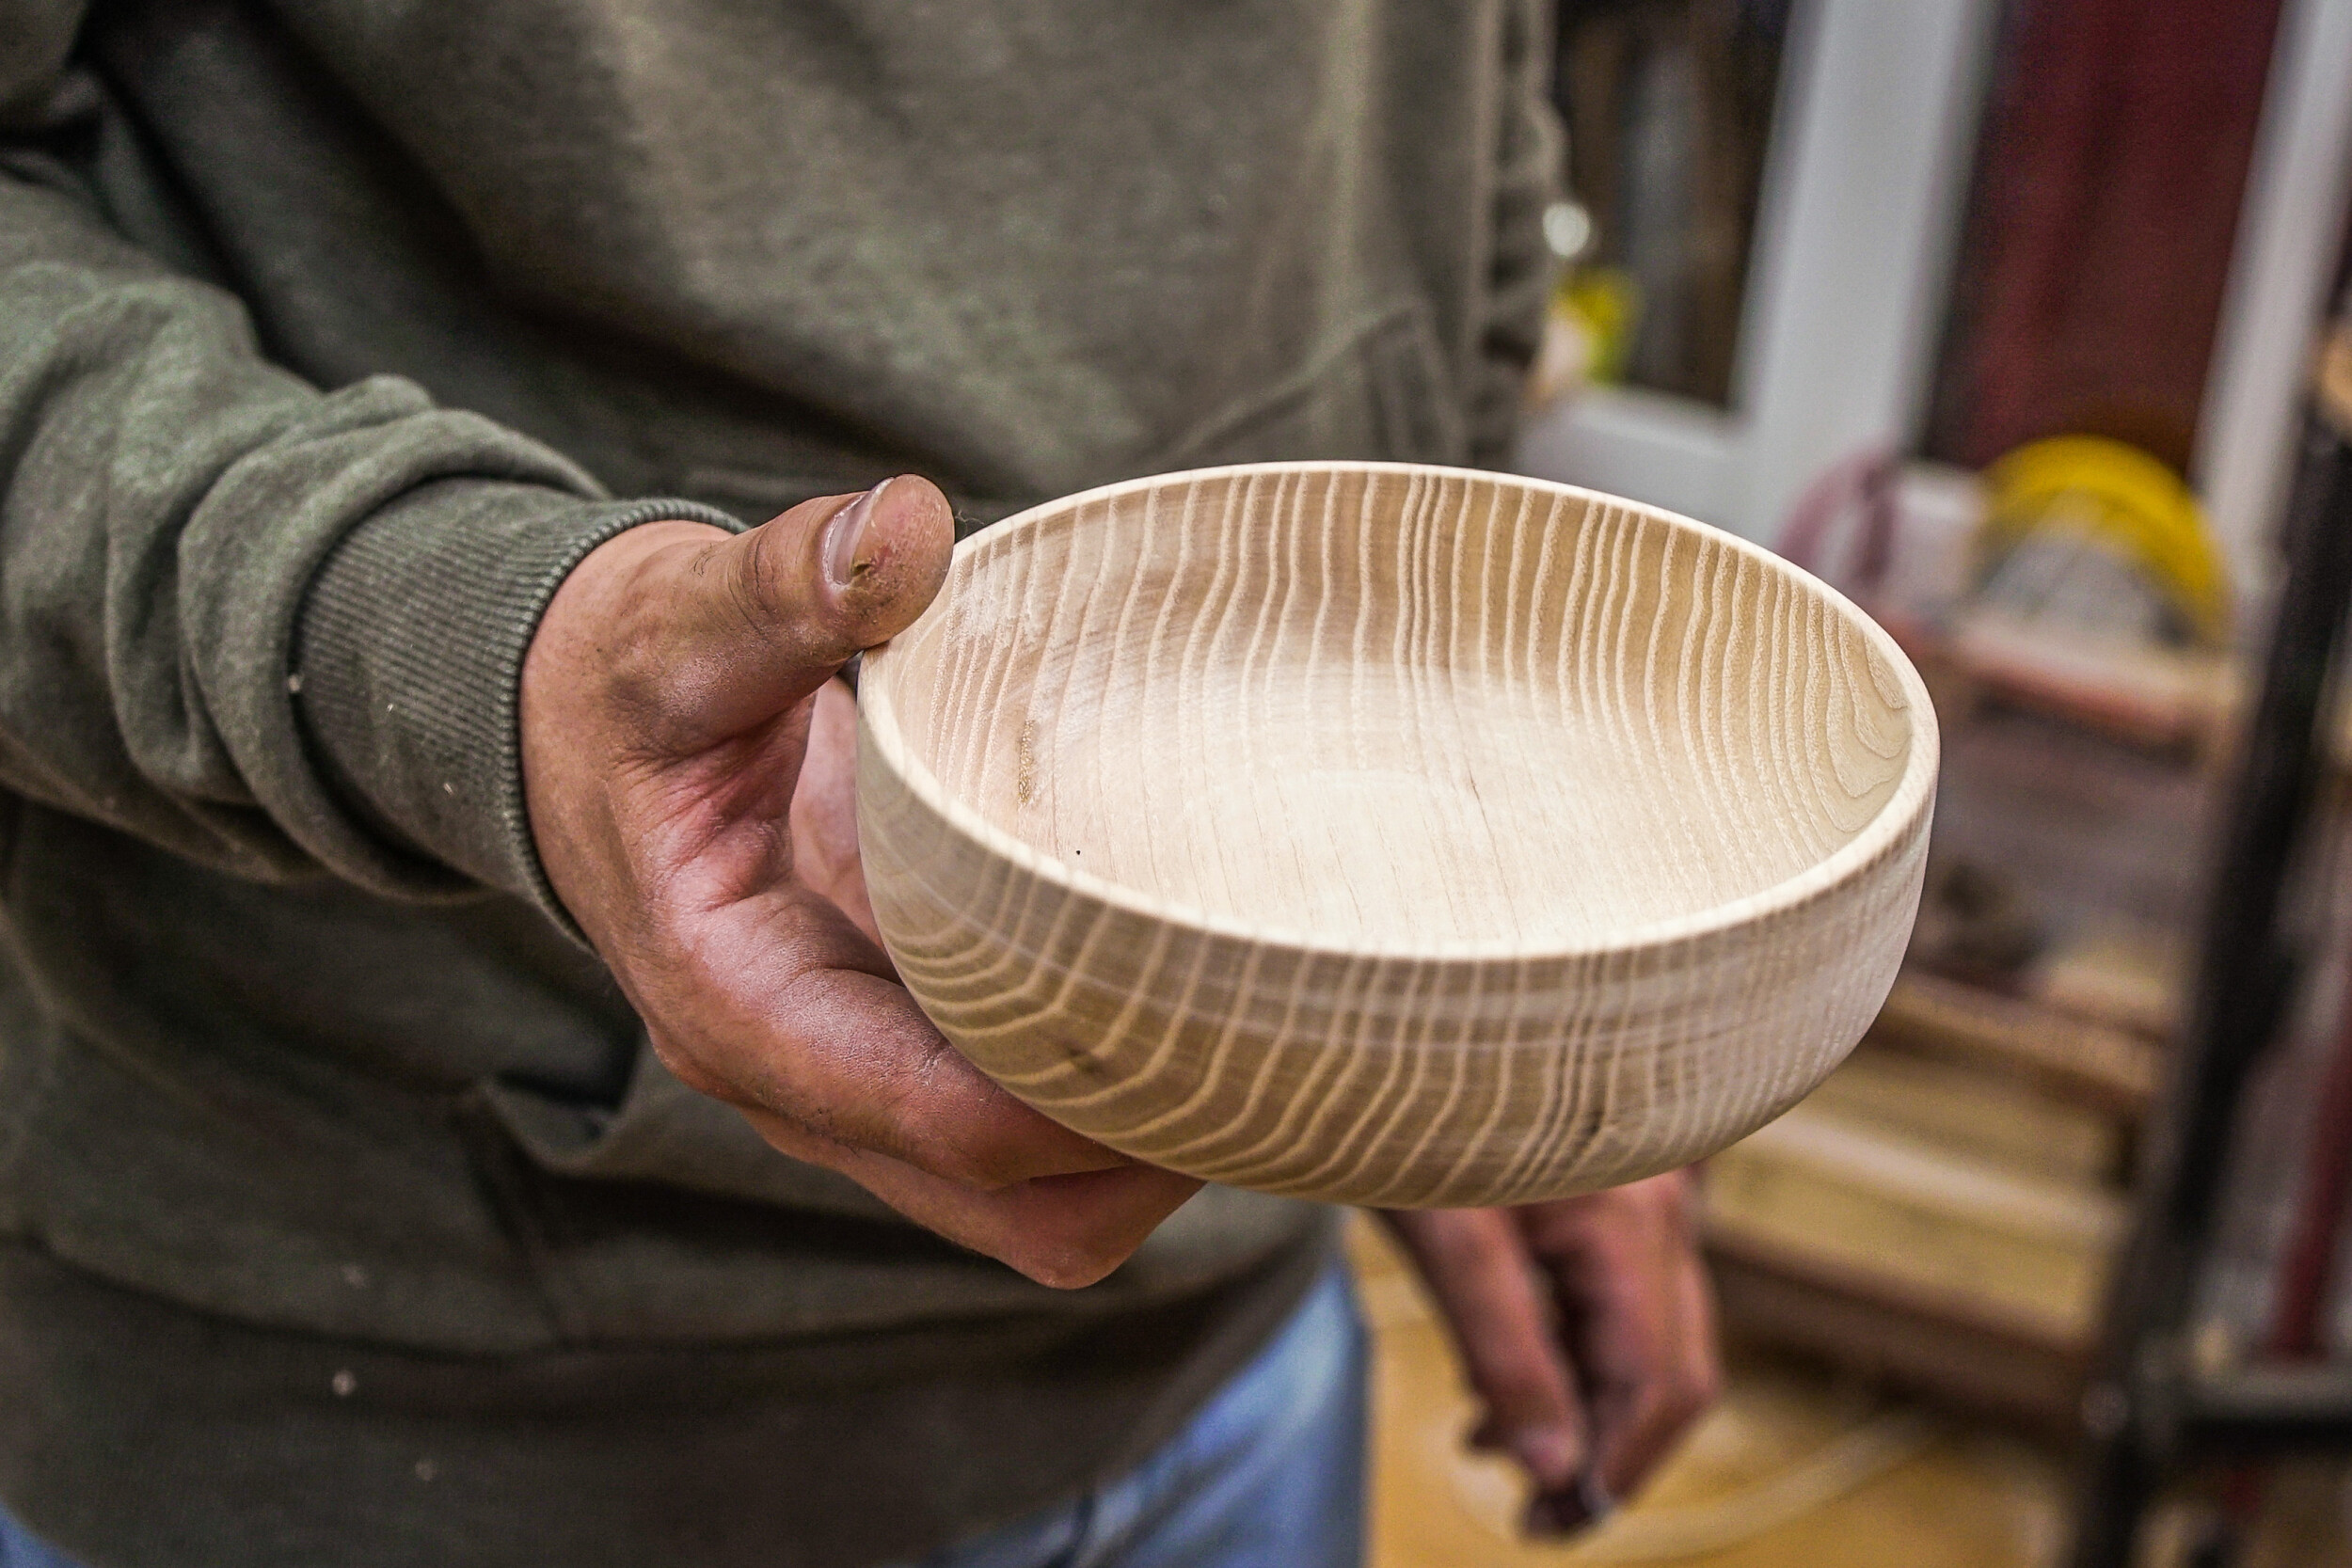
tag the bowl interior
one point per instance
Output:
(1401, 708)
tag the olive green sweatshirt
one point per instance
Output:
(345, 1215)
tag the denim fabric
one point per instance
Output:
(1269, 1474)
(20, 1550)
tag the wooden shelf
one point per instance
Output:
(1934, 1348)
(2091, 1063)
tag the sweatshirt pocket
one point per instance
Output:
(668, 1220)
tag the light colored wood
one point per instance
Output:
(1392, 835)
(1966, 1497)
(1766, 1298)
(1992, 1117)
(2091, 1061)
(1991, 1243)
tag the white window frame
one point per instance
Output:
(2289, 229)
(1865, 185)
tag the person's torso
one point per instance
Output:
(741, 252)
(749, 252)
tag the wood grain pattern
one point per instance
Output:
(1390, 835)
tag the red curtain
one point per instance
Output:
(2098, 235)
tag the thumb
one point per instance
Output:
(770, 615)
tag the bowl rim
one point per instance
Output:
(1913, 793)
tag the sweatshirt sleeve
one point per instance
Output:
(1527, 174)
(275, 628)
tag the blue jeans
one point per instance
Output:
(1269, 1474)
(20, 1549)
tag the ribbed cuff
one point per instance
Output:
(409, 658)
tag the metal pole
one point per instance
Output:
(2241, 982)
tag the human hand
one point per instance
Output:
(685, 766)
(1587, 1329)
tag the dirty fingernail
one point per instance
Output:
(845, 532)
(1550, 1515)
(1570, 1510)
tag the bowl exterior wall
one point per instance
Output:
(1356, 1077)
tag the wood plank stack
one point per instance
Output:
(1945, 1211)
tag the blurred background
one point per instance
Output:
(2013, 320)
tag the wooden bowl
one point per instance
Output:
(1391, 834)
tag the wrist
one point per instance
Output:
(407, 661)
(595, 655)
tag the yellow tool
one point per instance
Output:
(2119, 499)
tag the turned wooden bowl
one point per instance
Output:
(1390, 835)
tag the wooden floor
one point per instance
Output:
(1790, 1471)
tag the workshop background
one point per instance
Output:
(2013, 320)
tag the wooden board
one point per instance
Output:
(2091, 1061)
(1391, 834)
(1992, 1116)
(1922, 1347)
(1953, 1231)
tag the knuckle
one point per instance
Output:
(984, 1169)
(752, 580)
(1063, 1273)
(1076, 1251)
(1068, 1268)
(687, 1070)
(980, 1152)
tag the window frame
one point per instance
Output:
(1866, 187)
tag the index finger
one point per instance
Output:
(1638, 1317)
(1476, 1265)
(789, 1010)
(1065, 1232)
